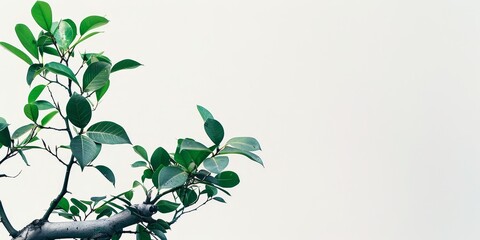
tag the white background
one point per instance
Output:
(368, 112)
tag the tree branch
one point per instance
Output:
(6, 223)
(91, 229)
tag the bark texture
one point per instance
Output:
(92, 229)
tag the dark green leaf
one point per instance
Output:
(63, 204)
(116, 236)
(22, 130)
(139, 164)
(84, 149)
(125, 64)
(204, 113)
(31, 111)
(27, 39)
(107, 173)
(219, 199)
(141, 151)
(32, 72)
(101, 92)
(214, 130)
(165, 206)
(97, 199)
(210, 190)
(61, 69)
(19, 53)
(96, 76)
(155, 175)
(79, 111)
(105, 211)
(147, 174)
(75, 211)
(129, 195)
(79, 204)
(43, 105)
(35, 93)
(216, 164)
(227, 179)
(187, 196)
(160, 157)
(42, 13)
(48, 117)
(244, 143)
(92, 22)
(24, 158)
(192, 145)
(108, 133)
(171, 177)
(231, 150)
(142, 233)
(50, 50)
(159, 234)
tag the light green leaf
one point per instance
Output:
(48, 117)
(171, 177)
(227, 179)
(32, 72)
(61, 69)
(35, 93)
(101, 92)
(214, 130)
(96, 76)
(24, 158)
(139, 164)
(92, 22)
(27, 39)
(63, 204)
(192, 145)
(204, 113)
(31, 111)
(79, 111)
(125, 64)
(231, 150)
(84, 149)
(22, 130)
(3, 123)
(43, 105)
(108, 133)
(19, 53)
(165, 206)
(141, 152)
(216, 164)
(42, 13)
(107, 173)
(244, 143)
(63, 33)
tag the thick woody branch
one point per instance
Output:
(91, 229)
(6, 222)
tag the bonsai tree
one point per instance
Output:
(67, 87)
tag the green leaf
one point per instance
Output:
(31, 111)
(79, 204)
(92, 22)
(19, 53)
(107, 173)
(116, 236)
(216, 164)
(48, 117)
(129, 195)
(171, 177)
(141, 151)
(227, 179)
(63, 204)
(79, 111)
(139, 164)
(125, 64)
(155, 175)
(50, 50)
(61, 69)
(192, 145)
(5, 138)
(27, 39)
(43, 105)
(75, 211)
(32, 72)
(42, 13)
(244, 143)
(83, 38)
(84, 149)
(165, 206)
(101, 92)
(160, 157)
(204, 113)
(214, 130)
(96, 76)
(159, 234)
(22, 130)
(24, 158)
(187, 196)
(231, 150)
(142, 233)
(3, 123)
(108, 133)
(147, 174)
(63, 34)
(35, 93)
(73, 26)
(210, 190)
(219, 199)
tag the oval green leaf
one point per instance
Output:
(204, 113)
(22, 130)
(92, 22)
(33, 72)
(63, 33)
(84, 149)
(165, 206)
(42, 13)
(79, 111)
(231, 150)
(227, 179)
(160, 157)
(35, 93)
(31, 111)
(216, 164)
(108, 133)
(244, 143)
(44, 105)
(141, 151)
(96, 76)
(5, 139)
(125, 64)
(61, 69)
(171, 177)
(17, 52)
(107, 173)
(48, 117)
(27, 39)
(214, 130)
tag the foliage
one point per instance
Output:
(63, 98)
